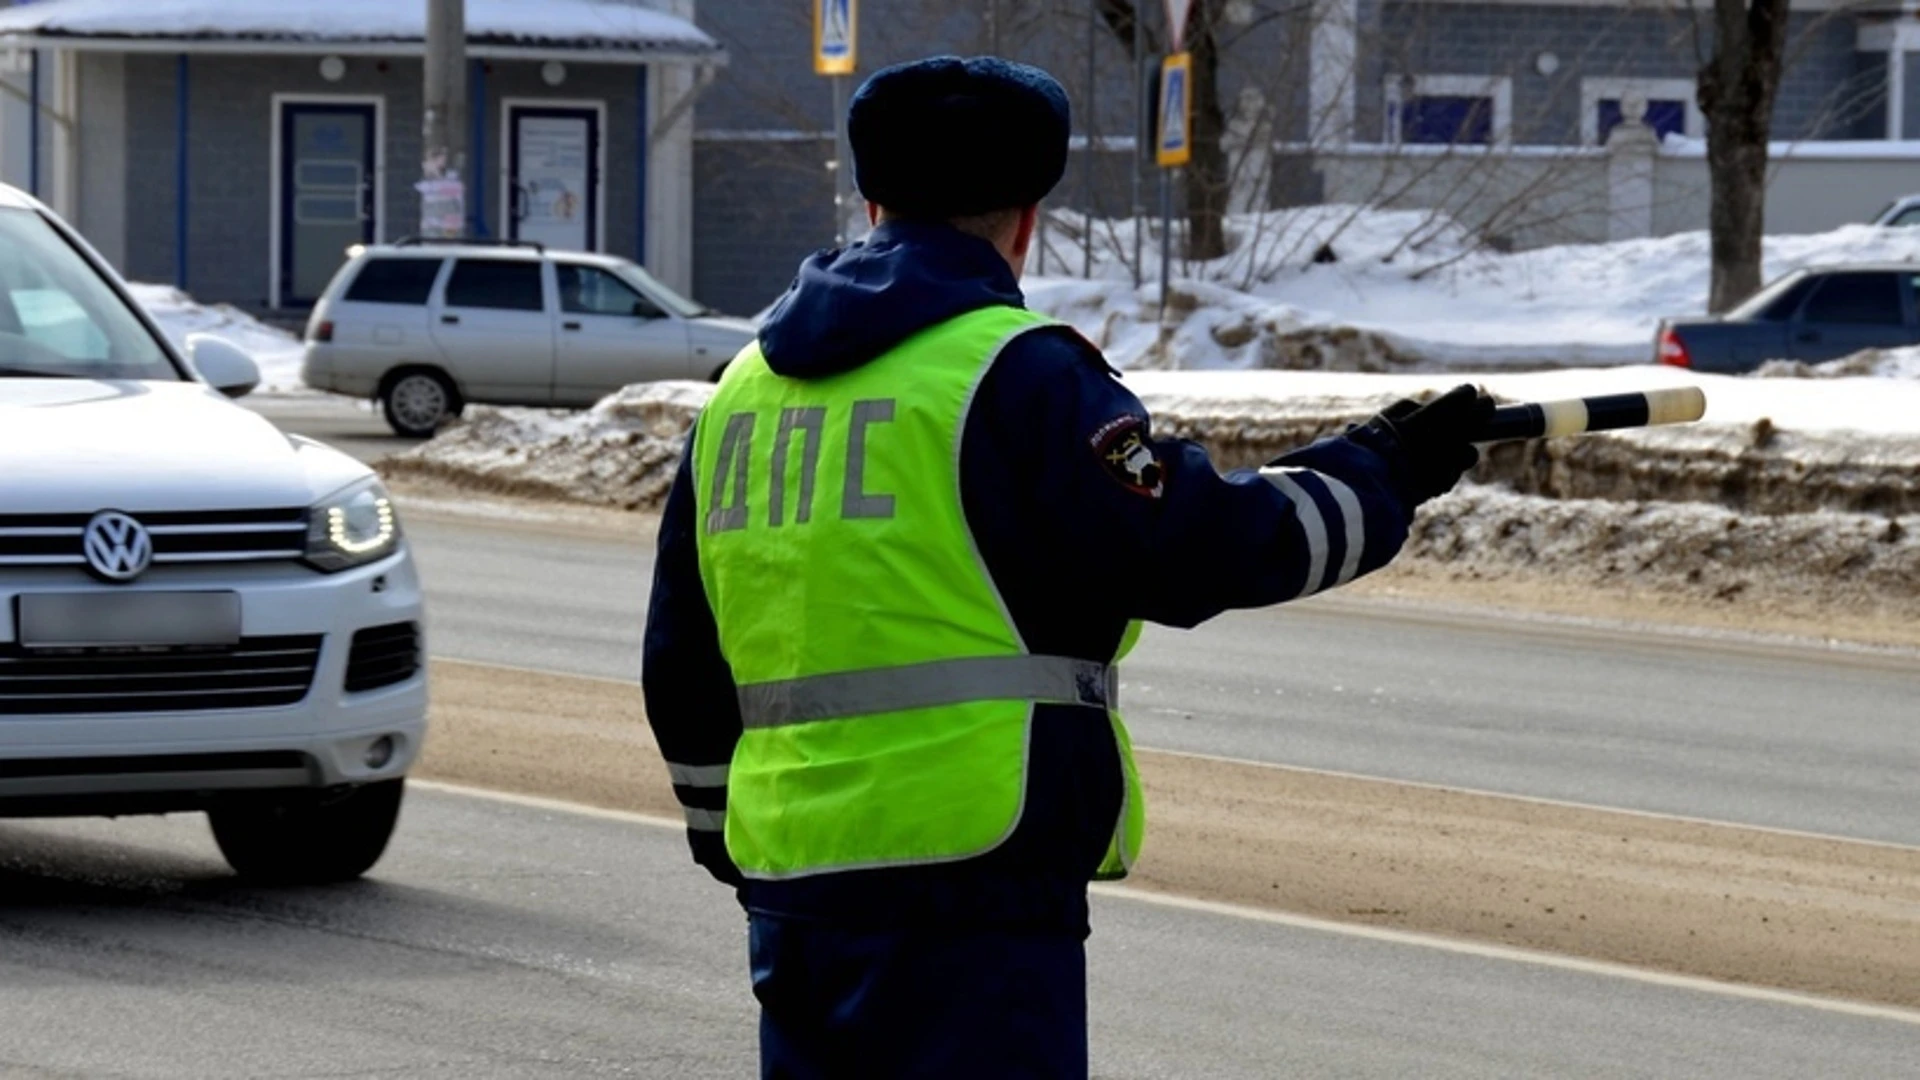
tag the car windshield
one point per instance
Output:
(667, 298)
(59, 318)
(1754, 306)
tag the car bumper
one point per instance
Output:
(324, 739)
(327, 367)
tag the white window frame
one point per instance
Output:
(1597, 88)
(505, 179)
(1498, 88)
(379, 103)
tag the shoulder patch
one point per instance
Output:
(1124, 452)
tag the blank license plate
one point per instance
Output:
(108, 619)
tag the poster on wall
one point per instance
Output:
(554, 181)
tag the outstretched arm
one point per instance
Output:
(1149, 528)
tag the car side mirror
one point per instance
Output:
(223, 365)
(644, 310)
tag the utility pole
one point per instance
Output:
(444, 163)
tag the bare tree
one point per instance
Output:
(1737, 87)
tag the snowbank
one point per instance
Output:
(1871, 363)
(277, 352)
(1765, 446)
(1791, 490)
(1404, 290)
(621, 453)
(1856, 562)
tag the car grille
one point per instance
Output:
(382, 656)
(215, 536)
(261, 672)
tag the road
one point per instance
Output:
(1820, 741)
(498, 940)
(502, 939)
(1782, 736)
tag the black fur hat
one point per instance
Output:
(946, 137)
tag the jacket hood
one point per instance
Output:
(851, 305)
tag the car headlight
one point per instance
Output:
(352, 528)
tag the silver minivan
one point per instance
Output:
(425, 327)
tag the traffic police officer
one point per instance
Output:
(914, 531)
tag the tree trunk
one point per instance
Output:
(1737, 90)
(1207, 175)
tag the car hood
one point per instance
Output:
(725, 327)
(77, 446)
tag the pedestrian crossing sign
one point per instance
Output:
(835, 29)
(1175, 135)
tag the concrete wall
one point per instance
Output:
(1520, 201)
(1535, 199)
(1805, 194)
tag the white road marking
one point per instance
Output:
(1302, 922)
(1519, 956)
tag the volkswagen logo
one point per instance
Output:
(118, 547)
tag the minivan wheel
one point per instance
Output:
(416, 403)
(308, 838)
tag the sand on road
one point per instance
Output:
(1802, 913)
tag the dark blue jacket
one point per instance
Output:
(1085, 521)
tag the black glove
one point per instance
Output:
(1435, 440)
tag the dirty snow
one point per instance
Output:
(620, 453)
(1872, 363)
(1795, 490)
(1408, 289)
(277, 352)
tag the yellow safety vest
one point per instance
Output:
(885, 692)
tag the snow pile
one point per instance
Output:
(1406, 289)
(1869, 363)
(1858, 562)
(277, 352)
(621, 453)
(1789, 490)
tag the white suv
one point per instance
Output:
(197, 612)
(426, 326)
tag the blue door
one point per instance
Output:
(326, 193)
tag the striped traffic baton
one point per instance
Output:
(1608, 412)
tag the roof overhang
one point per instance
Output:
(582, 31)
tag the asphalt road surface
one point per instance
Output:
(1807, 739)
(1790, 737)
(502, 940)
(346, 423)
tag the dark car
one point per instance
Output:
(1812, 315)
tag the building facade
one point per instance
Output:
(1333, 85)
(239, 152)
(704, 145)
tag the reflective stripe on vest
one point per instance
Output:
(886, 693)
(1046, 680)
